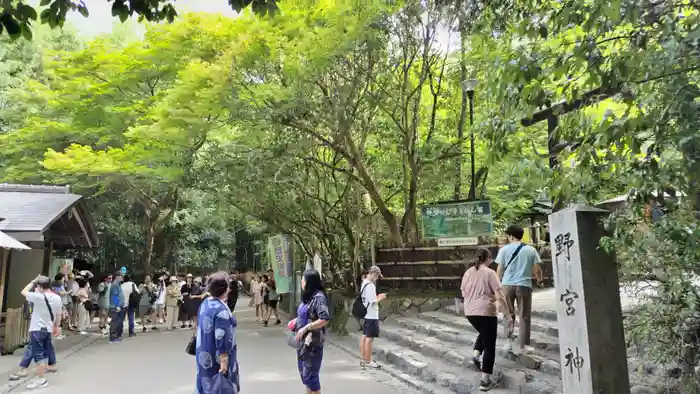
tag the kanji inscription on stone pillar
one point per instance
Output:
(589, 316)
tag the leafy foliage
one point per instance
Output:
(333, 123)
(16, 18)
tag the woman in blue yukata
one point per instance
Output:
(216, 338)
(310, 328)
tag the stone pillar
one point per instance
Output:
(589, 315)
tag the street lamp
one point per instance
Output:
(469, 86)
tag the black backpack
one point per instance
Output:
(134, 297)
(359, 309)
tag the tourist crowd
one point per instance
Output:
(76, 301)
(69, 302)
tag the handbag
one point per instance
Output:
(191, 347)
(221, 385)
(292, 340)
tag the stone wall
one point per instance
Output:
(342, 321)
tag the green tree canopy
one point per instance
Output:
(16, 18)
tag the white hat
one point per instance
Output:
(173, 278)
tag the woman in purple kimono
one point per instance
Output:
(310, 328)
(216, 338)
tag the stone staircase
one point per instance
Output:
(436, 349)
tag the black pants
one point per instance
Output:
(116, 326)
(487, 326)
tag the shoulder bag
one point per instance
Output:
(48, 305)
(512, 257)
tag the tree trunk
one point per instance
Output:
(148, 251)
(369, 185)
(552, 123)
(411, 223)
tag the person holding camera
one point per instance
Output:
(147, 289)
(45, 323)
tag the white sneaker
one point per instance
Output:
(38, 384)
(83, 333)
(372, 364)
(19, 375)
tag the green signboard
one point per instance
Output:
(281, 262)
(459, 219)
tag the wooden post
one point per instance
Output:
(4, 259)
(589, 315)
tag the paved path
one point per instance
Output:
(156, 363)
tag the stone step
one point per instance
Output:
(543, 322)
(349, 344)
(547, 346)
(544, 338)
(457, 373)
(460, 352)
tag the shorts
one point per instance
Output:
(273, 304)
(145, 310)
(370, 328)
(40, 342)
(266, 300)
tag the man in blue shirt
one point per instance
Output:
(517, 263)
(116, 309)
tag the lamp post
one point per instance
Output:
(469, 86)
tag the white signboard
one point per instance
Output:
(571, 312)
(460, 241)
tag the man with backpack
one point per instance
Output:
(517, 263)
(366, 307)
(132, 298)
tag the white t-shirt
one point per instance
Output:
(127, 289)
(41, 318)
(161, 295)
(369, 298)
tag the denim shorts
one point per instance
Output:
(41, 345)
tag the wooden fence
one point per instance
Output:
(16, 326)
(437, 268)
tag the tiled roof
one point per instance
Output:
(33, 208)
